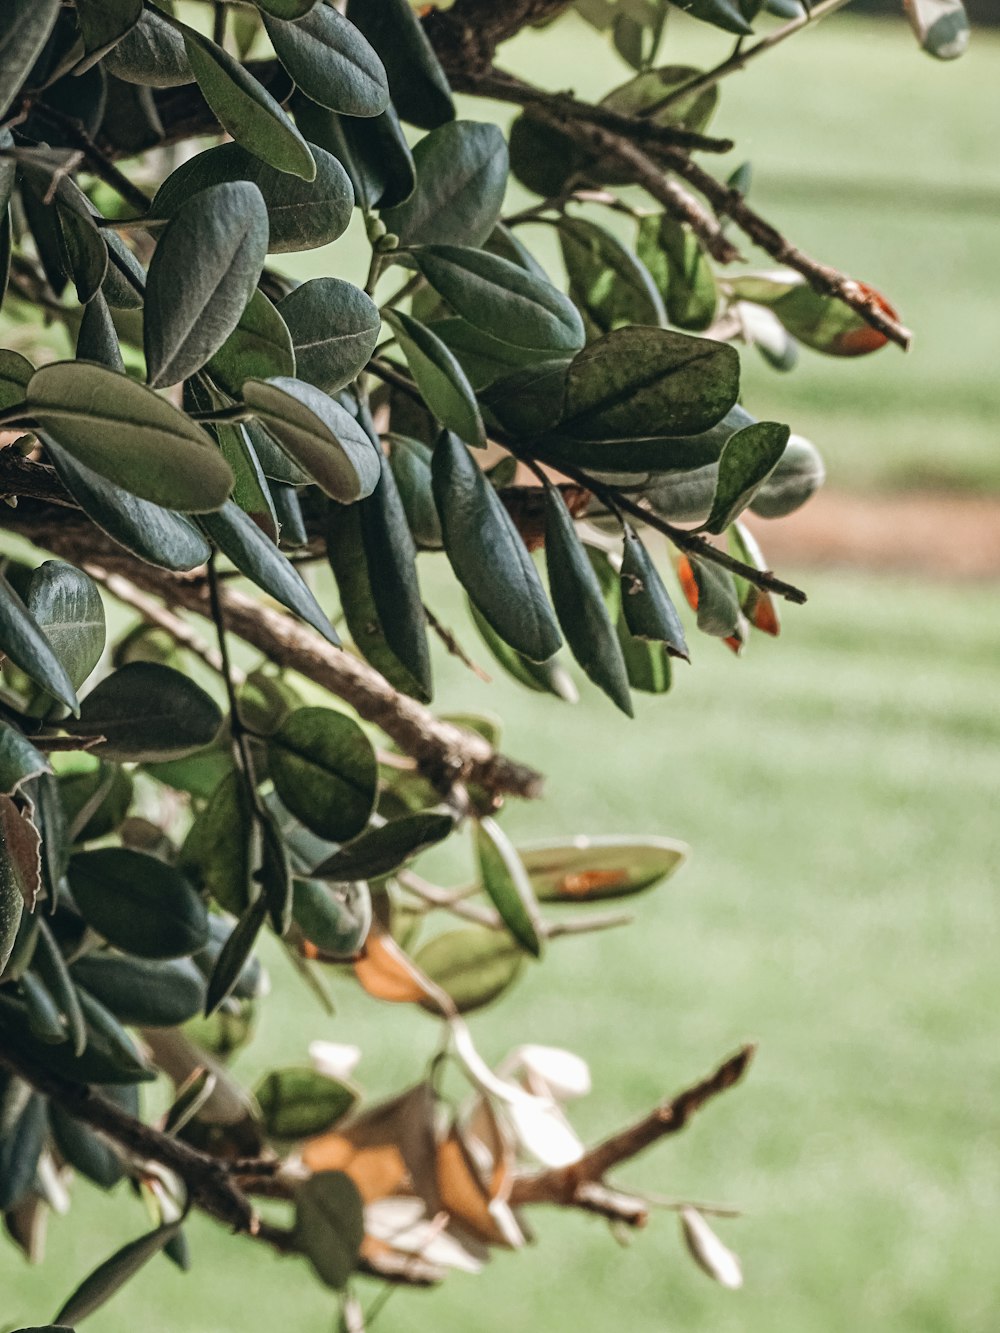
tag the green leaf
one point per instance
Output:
(334, 328)
(501, 298)
(483, 358)
(329, 1225)
(487, 554)
(649, 613)
(586, 869)
(419, 89)
(390, 556)
(234, 955)
(318, 434)
(50, 964)
(103, 22)
(95, 801)
(20, 1148)
(97, 339)
(203, 273)
(647, 661)
(142, 993)
(324, 770)
(336, 917)
(461, 181)
(216, 855)
(15, 374)
(381, 851)
(410, 461)
(286, 9)
(507, 884)
(301, 214)
(259, 346)
(44, 1018)
(245, 109)
(439, 377)
(680, 270)
(473, 964)
(346, 552)
(128, 435)
(549, 676)
(67, 606)
(154, 534)
(609, 284)
(138, 902)
(84, 1150)
(746, 462)
(725, 14)
(373, 151)
(579, 603)
(275, 875)
(151, 54)
(83, 245)
(822, 322)
(331, 61)
(297, 1103)
(643, 382)
(148, 712)
(110, 1055)
(718, 604)
(24, 643)
(112, 1275)
(24, 31)
(797, 477)
(19, 761)
(11, 905)
(255, 555)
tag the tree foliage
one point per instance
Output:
(159, 807)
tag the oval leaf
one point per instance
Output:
(149, 712)
(473, 964)
(325, 772)
(507, 884)
(334, 327)
(331, 61)
(138, 903)
(439, 377)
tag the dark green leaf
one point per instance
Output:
(275, 875)
(110, 1276)
(95, 801)
(461, 181)
(84, 248)
(586, 869)
(331, 61)
(419, 89)
(202, 275)
(680, 269)
(24, 643)
(487, 554)
(940, 26)
(19, 761)
(129, 435)
(15, 374)
(23, 32)
(84, 1150)
(125, 284)
(549, 676)
(725, 14)
(286, 9)
(142, 993)
(502, 299)
(148, 712)
(299, 1103)
(381, 851)
(97, 339)
(138, 903)
(324, 770)
(797, 477)
(579, 603)
(746, 462)
(216, 855)
(50, 964)
(373, 151)
(334, 328)
(11, 905)
(152, 53)
(301, 214)
(234, 955)
(649, 613)
(256, 556)
(473, 964)
(104, 22)
(44, 1018)
(251, 492)
(647, 661)
(718, 604)
(109, 1057)
(67, 606)
(319, 434)
(410, 461)
(609, 284)
(259, 346)
(507, 884)
(439, 377)
(20, 1148)
(334, 917)
(329, 1225)
(245, 108)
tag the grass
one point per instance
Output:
(839, 790)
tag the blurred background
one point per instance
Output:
(839, 788)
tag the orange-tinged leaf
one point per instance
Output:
(386, 973)
(760, 609)
(586, 882)
(686, 578)
(462, 1192)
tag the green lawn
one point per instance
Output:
(839, 788)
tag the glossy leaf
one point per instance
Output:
(439, 377)
(419, 89)
(611, 286)
(461, 180)
(381, 851)
(244, 108)
(579, 603)
(138, 903)
(649, 613)
(487, 554)
(372, 149)
(318, 434)
(129, 436)
(749, 458)
(19, 760)
(216, 855)
(112, 1275)
(255, 555)
(324, 770)
(67, 606)
(331, 61)
(329, 1225)
(506, 882)
(301, 214)
(501, 298)
(24, 643)
(473, 965)
(148, 712)
(334, 328)
(680, 270)
(297, 1103)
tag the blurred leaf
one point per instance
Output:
(461, 180)
(821, 322)
(586, 869)
(216, 855)
(147, 712)
(386, 973)
(324, 770)
(549, 676)
(329, 1225)
(711, 591)
(725, 14)
(381, 851)
(611, 286)
(142, 993)
(506, 883)
(473, 964)
(331, 61)
(110, 1276)
(796, 478)
(234, 955)
(84, 1150)
(138, 903)
(299, 1102)
(335, 918)
(940, 26)
(708, 1251)
(20, 1148)
(680, 270)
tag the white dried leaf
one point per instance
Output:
(708, 1252)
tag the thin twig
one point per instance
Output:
(454, 647)
(98, 161)
(157, 614)
(488, 916)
